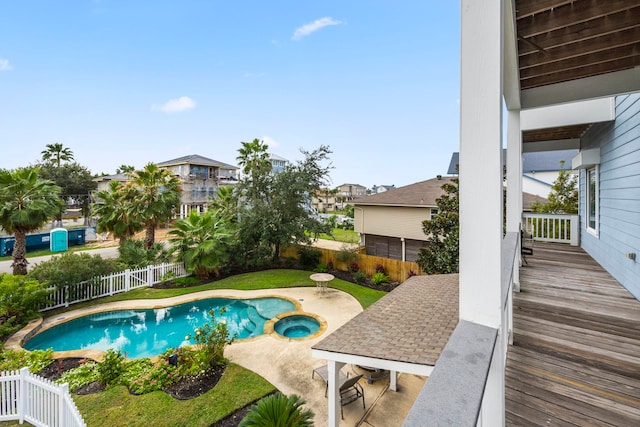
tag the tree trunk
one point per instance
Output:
(19, 264)
(150, 236)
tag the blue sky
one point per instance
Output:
(132, 82)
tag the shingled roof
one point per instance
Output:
(420, 194)
(196, 159)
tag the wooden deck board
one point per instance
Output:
(576, 353)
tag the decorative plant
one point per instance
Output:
(111, 367)
(309, 257)
(347, 254)
(278, 410)
(354, 267)
(359, 277)
(330, 266)
(379, 279)
(380, 269)
(211, 339)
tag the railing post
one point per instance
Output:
(149, 277)
(575, 230)
(127, 280)
(62, 391)
(22, 400)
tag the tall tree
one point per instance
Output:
(26, 204)
(125, 169)
(75, 182)
(56, 154)
(563, 198)
(276, 206)
(158, 197)
(441, 254)
(201, 240)
(116, 211)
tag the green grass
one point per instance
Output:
(116, 407)
(268, 279)
(340, 235)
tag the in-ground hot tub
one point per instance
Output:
(297, 326)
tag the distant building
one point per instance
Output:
(277, 163)
(377, 189)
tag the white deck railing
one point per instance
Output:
(111, 284)
(557, 228)
(28, 397)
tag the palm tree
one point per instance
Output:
(226, 202)
(201, 240)
(26, 204)
(278, 410)
(253, 156)
(125, 169)
(115, 210)
(56, 153)
(158, 197)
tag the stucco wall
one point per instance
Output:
(619, 194)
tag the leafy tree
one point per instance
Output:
(202, 241)
(211, 339)
(276, 206)
(20, 299)
(71, 268)
(563, 198)
(134, 254)
(441, 255)
(115, 209)
(125, 169)
(349, 211)
(26, 204)
(56, 154)
(75, 182)
(278, 410)
(158, 196)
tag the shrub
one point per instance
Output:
(330, 266)
(347, 254)
(211, 339)
(321, 268)
(309, 257)
(379, 278)
(380, 269)
(84, 374)
(359, 277)
(134, 254)
(70, 269)
(186, 281)
(354, 267)
(278, 410)
(144, 376)
(110, 369)
(20, 299)
(36, 360)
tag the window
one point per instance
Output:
(592, 201)
(434, 213)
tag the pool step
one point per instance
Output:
(254, 319)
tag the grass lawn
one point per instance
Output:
(340, 235)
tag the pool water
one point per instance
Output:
(297, 326)
(146, 333)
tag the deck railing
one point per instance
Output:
(114, 283)
(466, 387)
(558, 228)
(28, 397)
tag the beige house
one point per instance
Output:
(390, 223)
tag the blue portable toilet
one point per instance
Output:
(58, 240)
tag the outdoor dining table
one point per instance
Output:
(321, 279)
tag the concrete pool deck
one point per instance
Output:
(285, 363)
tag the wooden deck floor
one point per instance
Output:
(576, 354)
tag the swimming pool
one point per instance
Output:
(149, 332)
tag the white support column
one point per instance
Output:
(514, 182)
(393, 380)
(404, 249)
(481, 162)
(334, 392)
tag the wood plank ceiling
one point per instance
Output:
(564, 40)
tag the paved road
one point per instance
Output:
(110, 252)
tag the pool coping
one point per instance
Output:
(36, 326)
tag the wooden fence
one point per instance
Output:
(28, 397)
(114, 283)
(396, 270)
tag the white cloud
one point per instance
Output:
(4, 65)
(272, 143)
(314, 26)
(176, 105)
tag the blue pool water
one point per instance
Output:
(297, 326)
(146, 333)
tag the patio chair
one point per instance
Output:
(323, 372)
(351, 391)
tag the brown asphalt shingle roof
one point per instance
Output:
(411, 324)
(423, 193)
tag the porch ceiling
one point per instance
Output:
(571, 50)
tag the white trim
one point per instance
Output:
(574, 113)
(390, 365)
(593, 231)
(552, 145)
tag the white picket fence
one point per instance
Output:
(28, 397)
(115, 283)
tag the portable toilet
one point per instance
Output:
(58, 241)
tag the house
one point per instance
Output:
(325, 200)
(278, 163)
(567, 73)
(390, 223)
(199, 176)
(539, 169)
(381, 188)
(349, 192)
